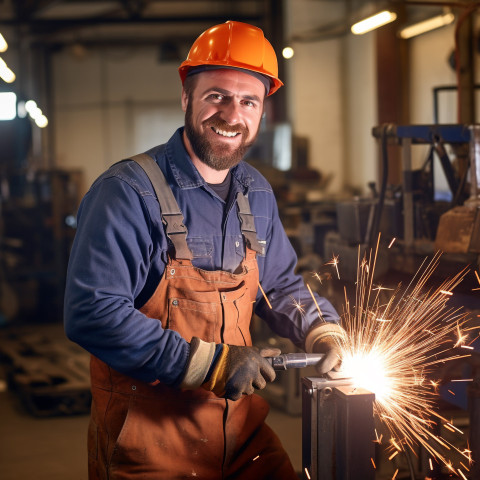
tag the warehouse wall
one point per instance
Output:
(113, 103)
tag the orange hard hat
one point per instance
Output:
(234, 45)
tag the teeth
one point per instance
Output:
(226, 134)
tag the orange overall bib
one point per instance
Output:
(152, 431)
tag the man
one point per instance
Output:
(164, 276)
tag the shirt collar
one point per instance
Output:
(185, 173)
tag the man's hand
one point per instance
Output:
(240, 370)
(326, 338)
(332, 359)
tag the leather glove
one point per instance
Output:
(240, 370)
(327, 338)
(237, 371)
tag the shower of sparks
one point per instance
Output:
(392, 351)
(334, 262)
(265, 296)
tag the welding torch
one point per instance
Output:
(294, 360)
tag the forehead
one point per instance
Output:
(234, 81)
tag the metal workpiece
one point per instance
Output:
(294, 360)
(338, 430)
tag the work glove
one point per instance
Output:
(237, 371)
(327, 338)
(240, 370)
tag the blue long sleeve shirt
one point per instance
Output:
(120, 252)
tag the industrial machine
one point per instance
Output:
(414, 213)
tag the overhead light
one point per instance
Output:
(371, 23)
(427, 25)
(8, 105)
(3, 44)
(36, 113)
(288, 52)
(5, 73)
(41, 121)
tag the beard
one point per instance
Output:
(218, 156)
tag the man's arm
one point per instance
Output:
(108, 268)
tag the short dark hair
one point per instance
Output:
(189, 84)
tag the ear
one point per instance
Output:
(184, 100)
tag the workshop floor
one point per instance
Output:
(54, 448)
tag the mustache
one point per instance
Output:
(216, 122)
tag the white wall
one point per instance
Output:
(314, 84)
(112, 104)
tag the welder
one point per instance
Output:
(164, 276)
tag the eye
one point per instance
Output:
(216, 97)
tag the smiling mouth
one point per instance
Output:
(224, 133)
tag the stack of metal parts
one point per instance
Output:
(51, 375)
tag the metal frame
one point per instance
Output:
(338, 430)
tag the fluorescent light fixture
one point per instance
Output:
(373, 22)
(3, 44)
(8, 105)
(427, 25)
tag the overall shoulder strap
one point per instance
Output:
(247, 224)
(171, 215)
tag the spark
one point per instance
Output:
(298, 305)
(395, 359)
(463, 476)
(392, 242)
(462, 380)
(430, 463)
(265, 296)
(334, 262)
(307, 474)
(315, 300)
(394, 454)
(317, 276)
(373, 463)
(395, 474)
(478, 277)
(257, 457)
(460, 338)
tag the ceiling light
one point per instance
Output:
(5, 73)
(288, 52)
(427, 25)
(8, 105)
(373, 22)
(3, 44)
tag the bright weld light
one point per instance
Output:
(373, 22)
(367, 371)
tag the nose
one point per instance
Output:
(231, 113)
